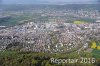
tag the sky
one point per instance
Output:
(48, 1)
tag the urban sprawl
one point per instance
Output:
(51, 30)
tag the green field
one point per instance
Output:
(96, 53)
(14, 20)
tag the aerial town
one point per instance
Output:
(50, 35)
(50, 29)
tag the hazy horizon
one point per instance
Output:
(49, 1)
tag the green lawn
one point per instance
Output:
(96, 53)
(13, 20)
(8, 53)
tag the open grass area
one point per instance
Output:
(79, 22)
(14, 20)
(96, 53)
(8, 53)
